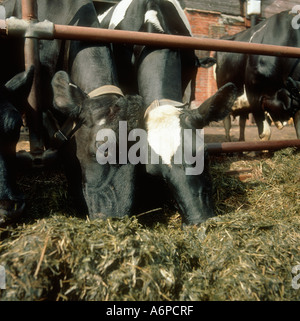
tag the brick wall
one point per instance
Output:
(210, 25)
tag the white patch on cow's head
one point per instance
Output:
(164, 131)
(151, 17)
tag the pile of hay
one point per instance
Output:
(246, 253)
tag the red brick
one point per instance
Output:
(208, 25)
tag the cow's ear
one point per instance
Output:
(20, 85)
(214, 108)
(67, 97)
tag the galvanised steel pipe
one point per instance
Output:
(29, 10)
(31, 55)
(235, 147)
(161, 40)
(170, 41)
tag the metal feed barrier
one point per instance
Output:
(32, 30)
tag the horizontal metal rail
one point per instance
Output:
(151, 39)
(236, 147)
(171, 41)
(48, 30)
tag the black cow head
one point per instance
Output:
(284, 103)
(109, 189)
(12, 100)
(172, 135)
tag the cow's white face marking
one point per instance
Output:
(164, 131)
(151, 17)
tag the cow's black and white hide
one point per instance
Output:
(12, 104)
(230, 67)
(110, 190)
(155, 16)
(99, 191)
(117, 188)
(164, 78)
(269, 80)
(267, 77)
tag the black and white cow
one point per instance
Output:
(162, 78)
(231, 67)
(97, 190)
(12, 102)
(271, 83)
(88, 97)
(109, 189)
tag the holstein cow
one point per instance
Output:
(230, 67)
(97, 190)
(12, 101)
(272, 83)
(162, 76)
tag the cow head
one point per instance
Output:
(12, 100)
(284, 103)
(171, 130)
(275, 107)
(109, 188)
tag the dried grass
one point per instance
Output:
(246, 253)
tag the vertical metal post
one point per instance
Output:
(253, 19)
(31, 53)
